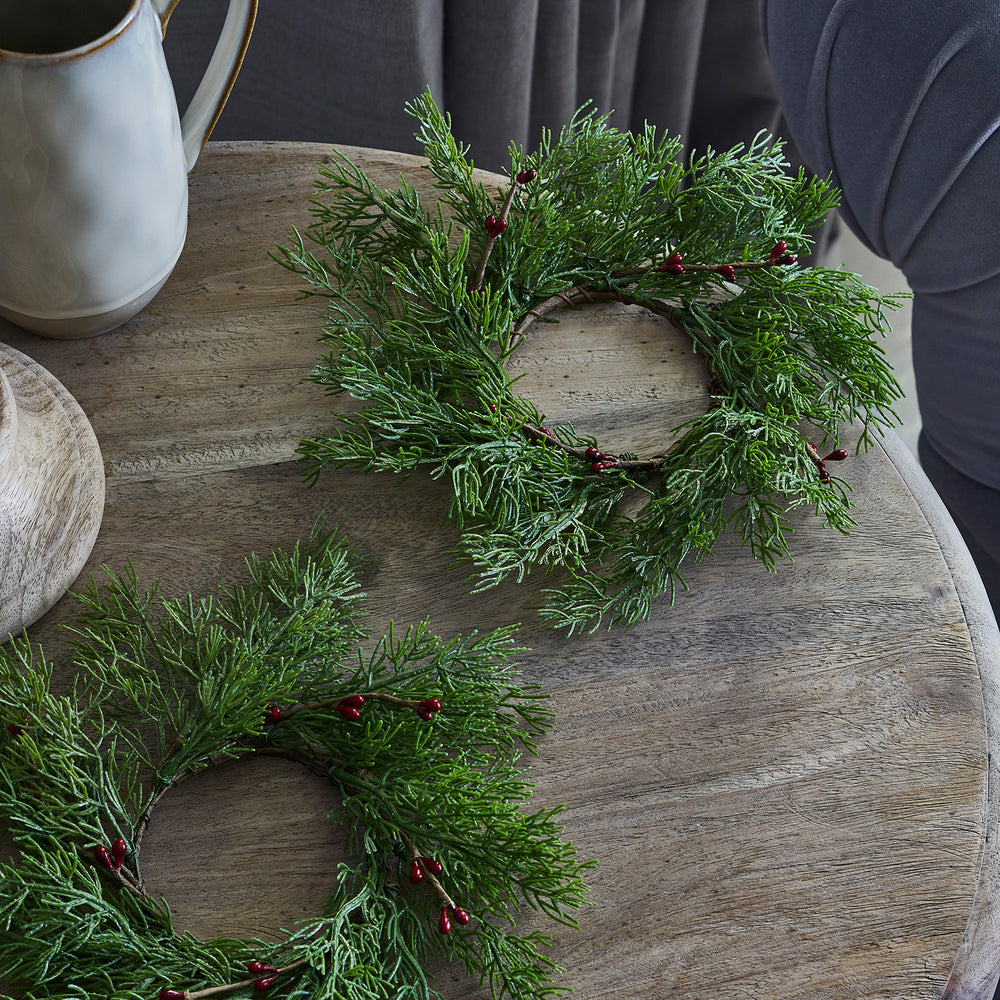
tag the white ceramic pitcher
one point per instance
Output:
(94, 157)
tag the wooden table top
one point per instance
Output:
(788, 778)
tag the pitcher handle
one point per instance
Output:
(213, 91)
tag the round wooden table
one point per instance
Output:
(789, 779)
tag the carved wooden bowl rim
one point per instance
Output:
(8, 418)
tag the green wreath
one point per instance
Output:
(425, 307)
(421, 735)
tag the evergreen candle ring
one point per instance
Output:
(425, 755)
(424, 309)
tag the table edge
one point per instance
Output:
(976, 970)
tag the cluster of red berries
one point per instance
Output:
(778, 254)
(113, 859)
(494, 226)
(350, 708)
(835, 456)
(451, 912)
(599, 461)
(427, 708)
(673, 265)
(420, 865)
(266, 981)
(548, 439)
(267, 973)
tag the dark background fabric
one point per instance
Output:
(341, 70)
(903, 110)
(900, 103)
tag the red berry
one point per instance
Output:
(727, 271)
(424, 714)
(593, 455)
(118, 849)
(461, 917)
(355, 701)
(264, 983)
(14, 729)
(836, 456)
(256, 967)
(349, 712)
(430, 704)
(104, 857)
(527, 176)
(787, 259)
(495, 226)
(432, 865)
(416, 875)
(779, 248)
(444, 923)
(168, 994)
(674, 258)
(272, 714)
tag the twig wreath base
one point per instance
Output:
(598, 460)
(576, 298)
(422, 736)
(425, 306)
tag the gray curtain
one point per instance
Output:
(341, 70)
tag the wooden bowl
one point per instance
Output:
(51, 490)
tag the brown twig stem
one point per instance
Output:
(211, 991)
(428, 875)
(317, 706)
(813, 453)
(242, 746)
(125, 877)
(477, 284)
(541, 435)
(575, 296)
(591, 292)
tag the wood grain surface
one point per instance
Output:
(788, 778)
(51, 490)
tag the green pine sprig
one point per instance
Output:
(428, 764)
(425, 305)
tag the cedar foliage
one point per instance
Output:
(167, 687)
(791, 351)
